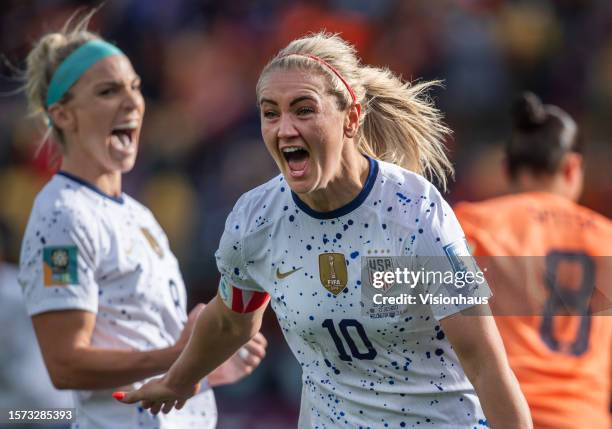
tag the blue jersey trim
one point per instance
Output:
(346, 209)
(80, 181)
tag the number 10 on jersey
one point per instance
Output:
(356, 352)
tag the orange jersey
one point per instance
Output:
(563, 362)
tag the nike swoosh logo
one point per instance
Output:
(281, 276)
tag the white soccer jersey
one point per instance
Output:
(359, 370)
(84, 250)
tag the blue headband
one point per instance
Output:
(77, 63)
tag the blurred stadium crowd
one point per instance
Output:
(201, 147)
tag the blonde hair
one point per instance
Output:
(399, 122)
(44, 58)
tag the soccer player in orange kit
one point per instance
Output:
(561, 359)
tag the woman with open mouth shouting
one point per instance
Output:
(351, 142)
(104, 290)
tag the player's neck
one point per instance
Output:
(552, 185)
(343, 188)
(107, 182)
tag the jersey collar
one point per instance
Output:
(346, 209)
(97, 190)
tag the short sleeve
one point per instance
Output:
(455, 282)
(231, 260)
(58, 262)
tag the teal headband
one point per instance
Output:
(77, 63)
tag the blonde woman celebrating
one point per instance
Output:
(351, 142)
(103, 288)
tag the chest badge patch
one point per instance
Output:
(153, 242)
(60, 265)
(332, 271)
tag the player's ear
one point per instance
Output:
(351, 120)
(572, 174)
(571, 166)
(61, 117)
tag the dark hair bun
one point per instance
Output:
(528, 112)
